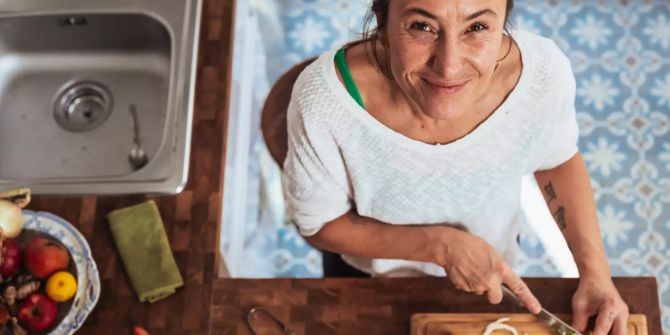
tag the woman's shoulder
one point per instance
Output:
(312, 86)
(550, 66)
(325, 71)
(313, 78)
(313, 97)
(542, 50)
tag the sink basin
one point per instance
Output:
(83, 83)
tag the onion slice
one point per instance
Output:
(500, 325)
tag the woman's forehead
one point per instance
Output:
(461, 9)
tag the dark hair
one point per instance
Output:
(379, 10)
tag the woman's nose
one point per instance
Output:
(447, 59)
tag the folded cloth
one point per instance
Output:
(140, 237)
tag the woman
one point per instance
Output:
(406, 152)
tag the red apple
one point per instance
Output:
(44, 257)
(11, 258)
(37, 312)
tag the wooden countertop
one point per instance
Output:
(384, 305)
(207, 305)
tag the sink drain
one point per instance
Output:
(82, 106)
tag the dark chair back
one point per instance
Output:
(273, 116)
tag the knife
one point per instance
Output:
(558, 325)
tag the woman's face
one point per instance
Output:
(442, 53)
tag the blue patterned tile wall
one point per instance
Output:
(620, 53)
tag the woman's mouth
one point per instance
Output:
(445, 87)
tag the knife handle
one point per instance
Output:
(509, 294)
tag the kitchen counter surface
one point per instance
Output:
(207, 305)
(384, 305)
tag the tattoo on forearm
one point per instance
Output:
(559, 216)
(551, 193)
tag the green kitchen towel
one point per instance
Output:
(140, 237)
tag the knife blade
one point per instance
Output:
(551, 320)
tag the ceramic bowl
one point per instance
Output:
(88, 280)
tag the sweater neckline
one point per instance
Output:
(496, 117)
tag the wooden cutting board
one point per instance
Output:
(474, 324)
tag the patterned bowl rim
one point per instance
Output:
(87, 272)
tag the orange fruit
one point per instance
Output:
(61, 286)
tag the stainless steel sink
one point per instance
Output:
(70, 70)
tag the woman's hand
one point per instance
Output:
(473, 265)
(597, 295)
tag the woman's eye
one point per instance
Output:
(477, 27)
(421, 26)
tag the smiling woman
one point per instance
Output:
(407, 149)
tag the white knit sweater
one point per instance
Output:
(340, 157)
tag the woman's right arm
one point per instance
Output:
(471, 263)
(359, 236)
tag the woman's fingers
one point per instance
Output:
(458, 279)
(494, 288)
(598, 296)
(580, 314)
(474, 266)
(611, 316)
(604, 321)
(494, 295)
(468, 281)
(620, 325)
(522, 291)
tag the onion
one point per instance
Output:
(499, 325)
(11, 219)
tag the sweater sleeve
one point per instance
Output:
(561, 132)
(315, 187)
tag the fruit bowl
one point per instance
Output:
(88, 280)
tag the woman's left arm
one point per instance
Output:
(567, 191)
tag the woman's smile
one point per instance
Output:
(444, 87)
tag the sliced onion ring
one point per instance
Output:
(500, 325)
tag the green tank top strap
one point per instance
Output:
(341, 62)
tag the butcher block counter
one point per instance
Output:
(385, 305)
